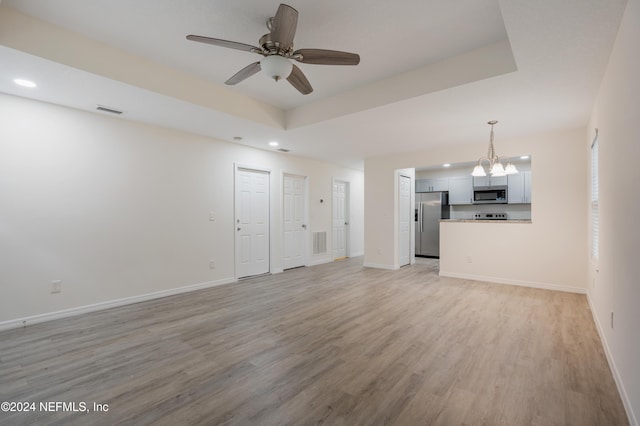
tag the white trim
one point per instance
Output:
(412, 190)
(380, 266)
(246, 166)
(612, 365)
(71, 312)
(358, 254)
(520, 283)
(320, 261)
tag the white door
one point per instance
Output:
(252, 222)
(340, 220)
(404, 216)
(295, 229)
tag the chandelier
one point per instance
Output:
(495, 166)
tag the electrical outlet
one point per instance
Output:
(469, 259)
(212, 264)
(212, 216)
(56, 286)
(379, 251)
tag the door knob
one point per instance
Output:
(304, 226)
(346, 223)
(239, 228)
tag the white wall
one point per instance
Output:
(550, 252)
(615, 277)
(117, 209)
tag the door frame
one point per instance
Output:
(411, 218)
(261, 169)
(306, 244)
(411, 173)
(347, 214)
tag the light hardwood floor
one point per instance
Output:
(332, 344)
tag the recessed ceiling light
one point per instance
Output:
(446, 165)
(524, 157)
(24, 83)
(274, 143)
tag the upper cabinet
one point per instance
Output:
(422, 185)
(460, 190)
(432, 185)
(519, 188)
(489, 181)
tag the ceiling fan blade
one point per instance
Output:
(299, 81)
(244, 73)
(224, 43)
(326, 57)
(283, 26)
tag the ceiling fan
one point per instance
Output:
(277, 49)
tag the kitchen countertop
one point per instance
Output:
(487, 221)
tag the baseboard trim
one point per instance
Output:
(379, 266)
(320, 261)
(612, 365)
(358, 254)
(520, 283)
(71, 312)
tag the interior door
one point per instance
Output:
(295, 229)
(404, 220)
(340, 222)
(252, 222)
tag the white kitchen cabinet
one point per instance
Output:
(432, 185)
(422, 185)
(460, 190)
(527, 187)
(481, 180)
(519, 188)
(440, 184)
(489, 180)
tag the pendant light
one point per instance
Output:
(495, 166)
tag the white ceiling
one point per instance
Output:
(431, 72)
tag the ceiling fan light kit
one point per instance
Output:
(276, 67)
(277, 49)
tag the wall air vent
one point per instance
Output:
(107, 109)
(283, 150)
(319, 242)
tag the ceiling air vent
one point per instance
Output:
(107, 109)
(283, 150)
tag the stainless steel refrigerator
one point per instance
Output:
(430, 208)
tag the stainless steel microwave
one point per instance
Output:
(490, 195)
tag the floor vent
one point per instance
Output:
(320, 242)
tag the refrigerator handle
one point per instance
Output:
(421, 218)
